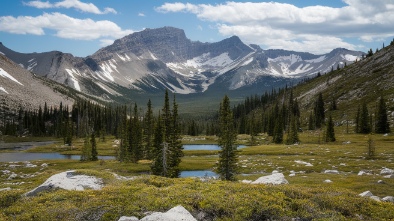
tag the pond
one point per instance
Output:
(205, 147)
(23, 156)
(198, 173)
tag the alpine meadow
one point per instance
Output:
(277, 119)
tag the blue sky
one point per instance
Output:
(81, 27)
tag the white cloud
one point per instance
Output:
(106, 42)
(280, 25)
(63, 25)
(199, 27)
(76, 4)
(141, 14)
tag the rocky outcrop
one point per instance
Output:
(273, 179)
(178, 213)
(68, 180)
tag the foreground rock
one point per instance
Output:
(178, 213)
(274, 179)
(68, 180)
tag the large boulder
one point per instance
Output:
(274, 179)
(68, 180)
(178, 213)
(386, 171)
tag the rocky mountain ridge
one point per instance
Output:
(153, 60)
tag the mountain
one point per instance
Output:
(142, 64)
(19, 87)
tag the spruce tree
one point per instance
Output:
(330, 133)
(135, 137)
(292, 136)
(148, 132)
(86, 150)
(227, 164)
(94, 155)
(175, 147)
(364, 121)
(382, 124)
(157, 167)
(319, 111)
(278, 131)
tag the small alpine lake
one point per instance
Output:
(205, 147)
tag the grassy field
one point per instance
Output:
(307, 196)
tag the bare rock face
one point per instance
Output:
(274, 179)
(178, 213)
(68, 180)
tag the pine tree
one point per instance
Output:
(86, 150)
(135, 139)
(382, 123)
(311, 122)
(319, 111)
(292, 136)
(94, 155)
(175, 147)
(157, 167)
(227, 164)
(364, 121)
(278, 131)
(148, 132)
(330, 133)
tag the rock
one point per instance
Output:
(69, 181)
(327, 181)
(388, 199)
(376, 198)
(5, 189)
(275, 171)
(29, 165)
(303, 162)
(380, 181)
(246, 181)
(44, 165)
(389, 176)
(12, 176)
(386, 171)
(128, 218)
(292, 174)
(362, 172)
(366, 194)
(274, 179)
(178, 213)
(331, 171)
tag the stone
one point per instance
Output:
(388, 199)
(68, 180)
(327, 181)
(386, 171)
(331, 171)
(5, 189)
(178, 213)
(366, 194)
(128, 218)
(376, 198)
(274, 179)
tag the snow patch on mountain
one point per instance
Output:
(2, 89)
(317, 60)
(124, 58)
(106, 70)
(32, 64)
(349, 57)
(291, 58)
(74, 80)
(4, 74)
(2, 53)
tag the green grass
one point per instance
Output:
(307, 196)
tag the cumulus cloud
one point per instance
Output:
(76, 4)
(63, 25)
(141, 14)
(280, 25)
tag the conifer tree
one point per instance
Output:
(148, 131)
(157, 167)
(292, 136)
(227, 164)
(330, 133)
(278, 131)
(382, 124)
(94, 155)
(175, 147)
(364, 121)
(135, 137)
(86, 150)
(319, 111)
